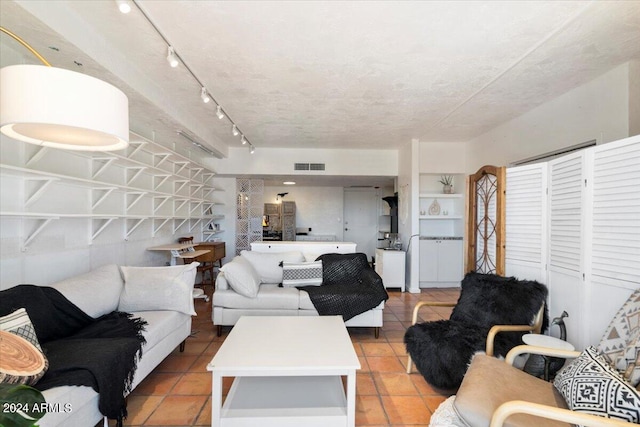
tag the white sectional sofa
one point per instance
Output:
(99, 292)
(272, 300)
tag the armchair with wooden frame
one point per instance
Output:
(600, 388)
(496, 394)
(491, 314)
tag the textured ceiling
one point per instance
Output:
(334, 74)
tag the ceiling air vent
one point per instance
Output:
(308, 166)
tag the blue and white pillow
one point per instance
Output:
(301, 274)
(590, 385)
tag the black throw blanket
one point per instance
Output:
(349, 286)
(99, 353)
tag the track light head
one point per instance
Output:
(252, 149)
(204, 95)
(243, 140)
(124, 6)
(172, 59)
(219, 112)
(234, 130)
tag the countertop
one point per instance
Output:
(440, 237)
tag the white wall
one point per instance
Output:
(443, 157)
(634, 98)
(65, 246)
(280, 161)
(408, 199)
(597, 110)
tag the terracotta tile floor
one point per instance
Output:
(178, 391)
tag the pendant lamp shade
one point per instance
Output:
(59, 108)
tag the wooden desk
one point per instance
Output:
(182, 251)
(216, 251)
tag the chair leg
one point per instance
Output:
(182, 344)
(408, 364)
(219, 333)
(376, 332)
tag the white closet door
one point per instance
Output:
(566, 232)
(526, 222)
(615, 229)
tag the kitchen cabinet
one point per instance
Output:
(441, 262)
(390, 265)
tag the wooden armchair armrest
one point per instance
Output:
(535, 327)
(496, 329)
(414, 318)
(419, 305)
(565, 415)
(544, 351)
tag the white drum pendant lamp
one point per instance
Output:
(59, 108)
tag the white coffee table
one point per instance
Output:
(288, 373)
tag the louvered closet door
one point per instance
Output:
(613, 263)
(616, 216)
(566, 232)
(526, 222)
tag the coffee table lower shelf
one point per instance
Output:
(292, 401)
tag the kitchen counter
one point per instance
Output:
(441, 238)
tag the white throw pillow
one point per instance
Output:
(158, 288)
(242, 277)
(268, 264)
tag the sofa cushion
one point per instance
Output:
(158, 288)
(242, 277)
(591, 386)
(270, 296)
(490, 382)
(159, 325)
(81, 290)
(301, 274)
(268, 264)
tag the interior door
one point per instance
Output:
(361, 219)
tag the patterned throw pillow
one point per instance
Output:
(301, 274)
(620, 343)
(590, 385)
(19, 323)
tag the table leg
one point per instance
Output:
(216, 399)
(351, 398)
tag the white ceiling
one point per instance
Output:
(333, 74)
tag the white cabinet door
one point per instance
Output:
(428, 260)
(441, 262)
(449, 260)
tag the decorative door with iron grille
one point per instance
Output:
(486, 234)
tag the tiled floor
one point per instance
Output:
(178, 392)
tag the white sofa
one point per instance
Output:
(96, 293)
(272, 300)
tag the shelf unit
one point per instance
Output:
(441, 231)
(447, 221)
(146, 183)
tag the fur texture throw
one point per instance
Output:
(442, 350)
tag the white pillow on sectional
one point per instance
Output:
(81, 290)
(268, 264)
(158, 288)
(242, 277)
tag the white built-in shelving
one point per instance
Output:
(145, 183)
(441, 218)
